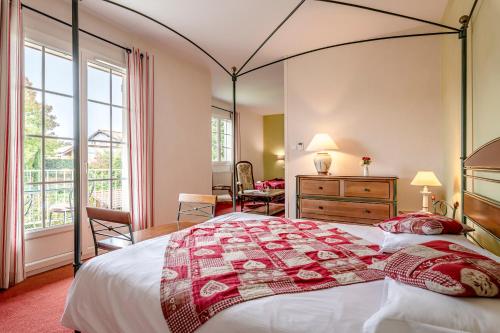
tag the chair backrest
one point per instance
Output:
(244, 175)
(108, 215)
(108, 222)
(441, 207)
(199, 207)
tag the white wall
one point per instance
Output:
(252, 140)
(379, 99)
(182, 123)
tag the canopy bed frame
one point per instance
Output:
(473, 203)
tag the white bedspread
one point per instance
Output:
(120, 292)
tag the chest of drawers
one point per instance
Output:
(365, 200)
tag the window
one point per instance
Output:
(48, 138)
(107, 153)
(222, 139)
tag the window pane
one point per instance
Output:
(58, 116)
(119, 158)
(33, 66)
(99, 160)
(59, 203)
(119, 128)
(98, 84)
(117, 86)
(32, 160)
(58, 160)
(120, 197)
(98, 121)
(99, 194)
(215, 131)
(58, 73)
(32, 112)
(33, 214)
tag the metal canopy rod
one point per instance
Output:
(81, 30)
(222, 109)
(76, 135)
(349, 43)
(172, 30)
(390, 13)
(472, 11)
(270, 35)
(234, 184)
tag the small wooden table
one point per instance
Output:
(268, 197)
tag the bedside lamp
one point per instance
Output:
(322, 143)
(425, 178)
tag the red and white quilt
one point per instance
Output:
(215, 265)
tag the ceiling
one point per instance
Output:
(231, 30)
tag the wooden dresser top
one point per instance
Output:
(347, 177)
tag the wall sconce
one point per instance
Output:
(280, 157)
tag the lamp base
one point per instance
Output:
(425, 199)
(322, 162)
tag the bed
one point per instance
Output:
(119, 292)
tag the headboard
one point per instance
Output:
(480, 210)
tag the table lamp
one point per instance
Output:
(321, 144)
(425, 178)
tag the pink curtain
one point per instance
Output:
(140, 68)
(11, 134)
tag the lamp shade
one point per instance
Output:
(322, 142)
(425, 178)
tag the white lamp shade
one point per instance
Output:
(425, 178)
(322, 142)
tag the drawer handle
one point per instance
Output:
(320, 207)
(367, 189)
(367, 211)
(320, 187)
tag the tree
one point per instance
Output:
(33, 125)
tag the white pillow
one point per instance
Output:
(414, 310)
(395, 242)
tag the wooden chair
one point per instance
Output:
(196, 205)
(245, 181)
(244, 176)
(107, 223)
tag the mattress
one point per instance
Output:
(120, 292)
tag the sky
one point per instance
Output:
(58, 78)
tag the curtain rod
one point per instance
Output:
(81, 30)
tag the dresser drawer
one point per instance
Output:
(338, 210)
(319, 187)
(362, 189)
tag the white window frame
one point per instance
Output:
(221, 116)
(86, 55)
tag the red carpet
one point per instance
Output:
(36, 304)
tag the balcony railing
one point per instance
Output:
(58, 196)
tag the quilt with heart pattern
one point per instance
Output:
(215, 265)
